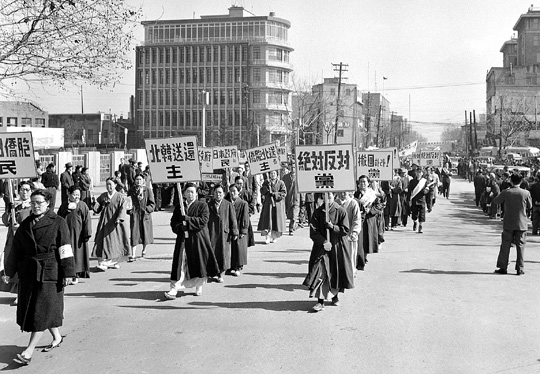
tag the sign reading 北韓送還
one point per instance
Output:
(325, 168)
(225, 157)
(17, 155)
(173, 160)
(263, 159)
(205, 158)
(377, 164)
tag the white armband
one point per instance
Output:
(65, 251)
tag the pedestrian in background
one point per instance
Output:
(143, 205)
(418, 190)
(515, 224)
(43, 258)
(85, 183)
(355, 225)
(272, 218)
(51, 182)
(240, 243)
(79, 221)
(534, 190)
(66, 181)
(292, 200)
(111, 241)
(77, 175)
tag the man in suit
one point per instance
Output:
(516, 201)
(66, 181)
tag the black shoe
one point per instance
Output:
(520, 272)
(414, 227)
(501, 271)
(420, 229)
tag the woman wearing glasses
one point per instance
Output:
(22, 210)
(43, 258)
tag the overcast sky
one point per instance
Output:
(434, 53)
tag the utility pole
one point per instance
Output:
(470, 133)
(368, 125)
(341, 67)
(378, 126)
(466, 136)
(475, 132)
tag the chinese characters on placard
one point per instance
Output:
(325, 161)
(375, 162)
(265, 157)
(173, 152)
(225, 155)
(15, 147)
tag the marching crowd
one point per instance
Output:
(46, 251)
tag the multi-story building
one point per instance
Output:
(22, 114)
(376, 118)
(235, 67)
(335, 121)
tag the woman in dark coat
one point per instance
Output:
(79, 221)
(193, 258)
(222, 229)
(333, 256)
(43, 258)
(241, 242)
(142, 231)
(272, 219)
(22, 211)
(85, 184)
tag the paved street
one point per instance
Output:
(428, 303)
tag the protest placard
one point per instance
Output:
(173, 159)
(212, 178)
(225, 157)
(377, 164)
(263, 159)
(427, 158)
(325, 168)
(17, 155)
(205, 158)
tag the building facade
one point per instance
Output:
(376, 119)
(234, 67)
(22, 114)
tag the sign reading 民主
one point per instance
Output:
(427, 158)
(173, 159)
(376, 164)
(17, 155)
(225, 157)
(263, 159)
(324, 168)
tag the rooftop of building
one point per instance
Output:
(236, 14)
(532, 12)
(13, 106)
(512, 41)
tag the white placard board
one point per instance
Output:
(225, 157)
(325, 168)
(212, 178)
(17, 155)
(427, 158)
(263, 159)
(173, 160)
(205, 158)
(377, 164)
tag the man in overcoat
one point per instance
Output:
(66, 181)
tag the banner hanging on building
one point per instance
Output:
(325, 168)
(17, 155)
(263, 159)
(225, 157)
(377, 164)
(427, 158)
(173, 160)
(205, 158)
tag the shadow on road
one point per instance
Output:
(152, 272)
(7, 354)
(279, 275)
(138, 295)
(283, 287)
(444, 272)
(275, 306)
(295, 262)
(140, 280)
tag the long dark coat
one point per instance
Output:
(240, 245)
(142, 230)
(111, 240)
(292, 200)
(66, 181)
(222, 227)
(272, 216)
(84, 184)
(79, 222)
(339, 269)
(201, 262)
(250, 200)
(42, 257)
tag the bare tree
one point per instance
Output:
(65, 40)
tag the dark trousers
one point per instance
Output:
(535, 220)
(478, 195)
(418, 212)
(519, 238)
(446, 191)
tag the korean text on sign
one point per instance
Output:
(325, 168)
(17, 155)
(173, 159)
(263, 159)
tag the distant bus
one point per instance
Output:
(522, 151)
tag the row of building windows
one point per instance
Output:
(209, 75)
(217, 97)
(213, 53)
(24, 122)
(216, 31)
